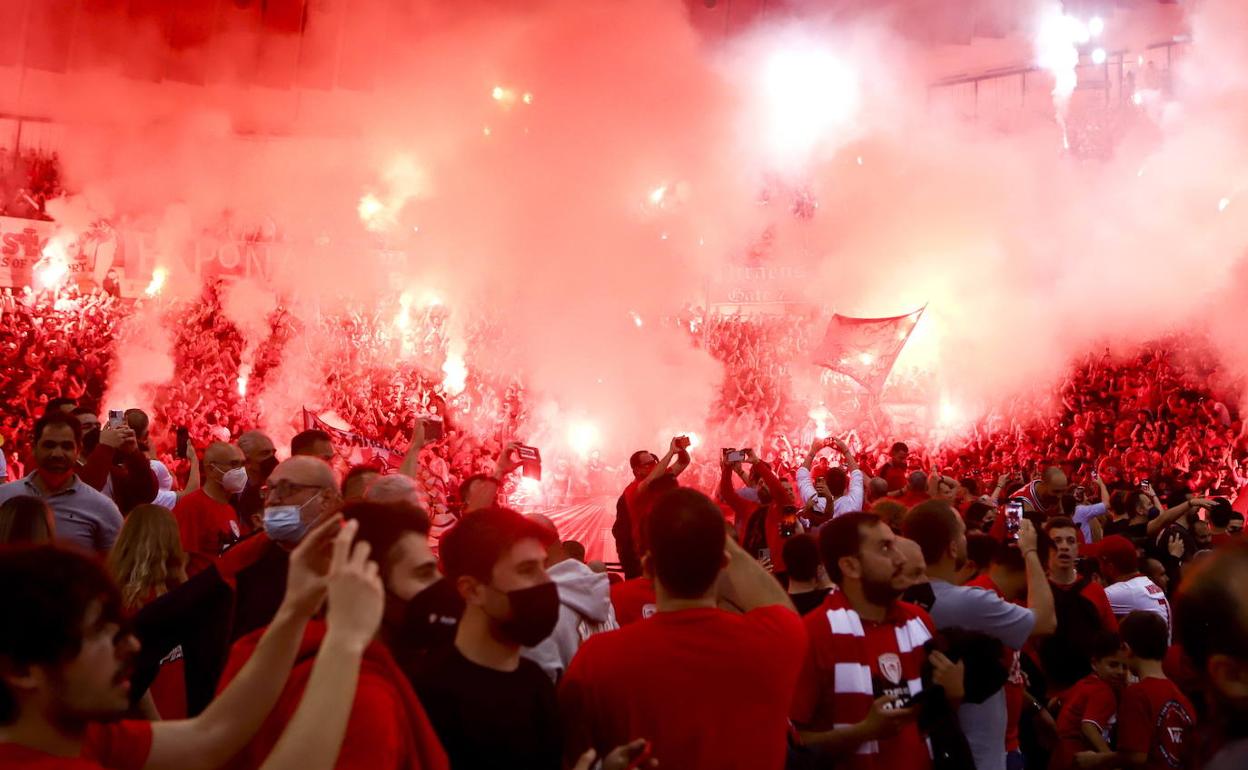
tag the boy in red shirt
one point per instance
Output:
(1155, 719)
(1090, 707)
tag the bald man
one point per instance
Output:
(261, 459)
(584, 606)
(206, 520)
(300, 492)
(1044, 494)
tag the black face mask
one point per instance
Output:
(266, 467)
(534, 614)
(920, 594)
(430, 617)
(90, 440)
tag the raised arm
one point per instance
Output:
(210, 739)
(313, 737)
(411, 459)
(1039, 592)
(1174, 514)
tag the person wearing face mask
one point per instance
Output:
(490, 706)
(300, 492)
(261, 460)
(205, 518)
(114, 462)
(84, 516)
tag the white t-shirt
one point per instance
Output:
(1138, 593)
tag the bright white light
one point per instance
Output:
(244, 374)
(820, 415)
(1222, 204)
(498, 93)
(1096, 25)
(657, 195)
(53, 267)
(1137, 98)
(530, 486)
(486, 130)
(950, 413)
(1056, 45)
(583, 438)
(1099, 56)
(808, 95)
(157, 283)
(866, 359)
(694, 439)
(636, 318)
(371, 211)
(455, 373)
(859, 160)
(527, 98)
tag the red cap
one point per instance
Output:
(1115, 550)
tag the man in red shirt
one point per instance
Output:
(647, 468)
(633, 600)
(205, 517)
(863, 667)
(1155, 719)
(65, 668)
(692, 665)
(1043, 495)
(759, 525)
(894, 471)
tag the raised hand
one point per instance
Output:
(356, 595)
(309, 566)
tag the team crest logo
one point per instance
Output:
(890, 667)
(1172, 725)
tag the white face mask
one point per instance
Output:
(234, 480)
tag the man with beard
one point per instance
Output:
(1044, 495)
(1211, 624)
(84, 517)
(941, 534)
(865, 659)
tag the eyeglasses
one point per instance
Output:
(284, 489)
(231, 465)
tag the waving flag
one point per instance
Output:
(865, 349)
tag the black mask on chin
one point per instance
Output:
(266, 467)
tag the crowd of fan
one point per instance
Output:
(28, 180)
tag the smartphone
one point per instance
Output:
(764, 553)
(530, 461)
(1095, 475)
(116, 417)
(682, 442)
(434, 427)
(1013, 518)
(184, 440)
(733, 456)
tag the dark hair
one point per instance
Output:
(354, 472)
(1059, 522)
(25, 519)
(467, 483)
(837, 480)
(138, 421)
(58, 418)
(383, 524)
(47, 590)
(971, 486)
(1105, 643)
(1210, 617)
(981, 548)
(476, 544)
(801, 557)
(83, 410)
(1044, 545)
(1010, 557)
(932, 524)
(976, 512)
(899, 447)
(634, 459)
(1220, 513)
(843, 537)
(1145, 633)
(687, 536)
(54, 404)
(303, 442)
(574, 550)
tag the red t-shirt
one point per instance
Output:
(206, 526)
(707, 688)
(1156, 719)
(633, 600)
(1093, 592)
(1014, 684)
(850, 662)
(123, 745)
(1090, 700)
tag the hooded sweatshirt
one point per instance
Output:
(387, 730)
(584, 610)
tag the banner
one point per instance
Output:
(389, 458)
(761, 285)
(865, 349)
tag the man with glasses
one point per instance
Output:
(300, 492)
(205, 517)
